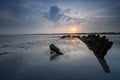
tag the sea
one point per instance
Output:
(28, 57)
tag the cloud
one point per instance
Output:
(74, 20)
(115, 11)
(54, 14)
(38, 14)
(58, 17)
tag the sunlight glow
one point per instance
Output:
(74, 29)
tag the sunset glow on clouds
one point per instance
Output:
(56, 16)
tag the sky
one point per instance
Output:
(59, 16)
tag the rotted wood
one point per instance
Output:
(55, 49)
(99, 45)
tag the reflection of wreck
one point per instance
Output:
(104, 65)
(99, 46)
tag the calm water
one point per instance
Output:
(27, 57)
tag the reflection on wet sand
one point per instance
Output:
(4, 53)
(53, 55)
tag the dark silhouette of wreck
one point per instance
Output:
(99, 45)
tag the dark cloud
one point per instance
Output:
(69, 19)
(12, 13)
(54, 14)
(111, 19)
(67, 11)
(12, 7)
(57, 14)
(104, 24)
(115, 11)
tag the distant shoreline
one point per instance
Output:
(109, 33)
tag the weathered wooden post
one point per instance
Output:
(55, 49)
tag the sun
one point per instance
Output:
(74, 29)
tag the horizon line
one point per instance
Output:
(58, 33)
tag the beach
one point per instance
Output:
(28, 57)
